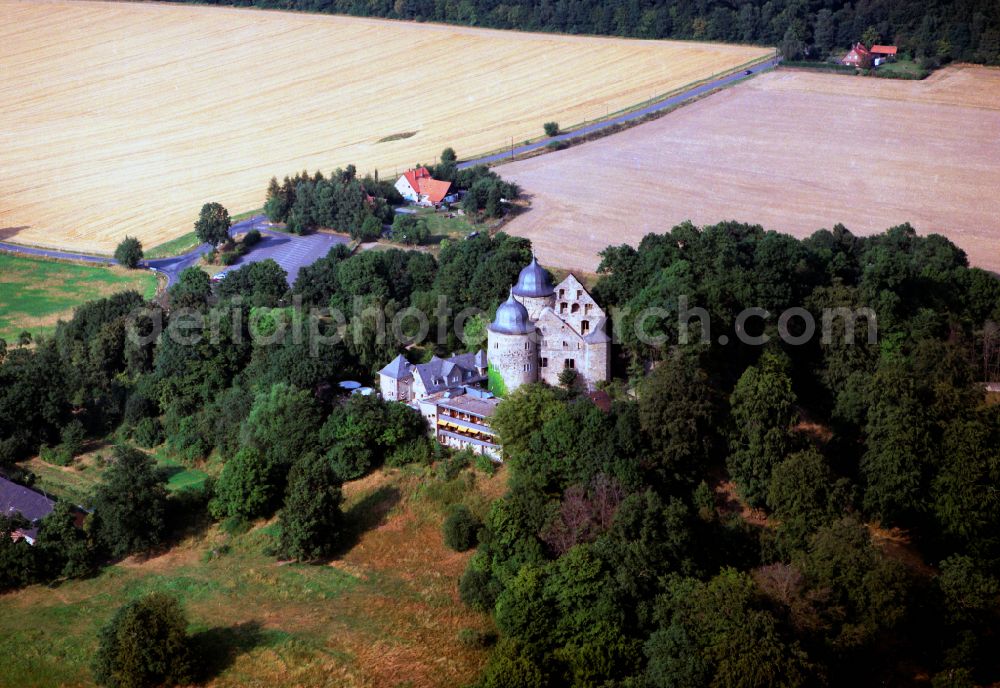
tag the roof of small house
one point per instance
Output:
(18, 499)
(443, 373)
(884, 49)
(397, 369)
(434, 189)
(483, 408)
(414, 176)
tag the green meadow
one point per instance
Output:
(35, 293)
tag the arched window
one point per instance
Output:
(575, 308)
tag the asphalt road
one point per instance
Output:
(290, 251)
(627, 117)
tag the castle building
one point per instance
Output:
(541, 329)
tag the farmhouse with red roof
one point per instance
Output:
(418, 186)
(859, 56)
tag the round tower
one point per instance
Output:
(512, 351)
(534, 289)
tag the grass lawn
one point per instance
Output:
(906, 69)
(179, 475)
(175, 247)
(443, 227)
(385, 612)
(76, 481)
(187, 242)
(37, 293)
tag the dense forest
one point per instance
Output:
(933, 31)
(622, 556)
(723, 521)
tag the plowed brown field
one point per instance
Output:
(125, 118)
(794, 151)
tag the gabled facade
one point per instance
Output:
(418, 186)
(542, 330)
(408, 382)
(859, 56)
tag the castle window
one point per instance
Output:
(562, 293)
(562, 307)
(569, 363)
(586, 308)
(579, 293)
(584, 326)
(527, 367)
(545, 362)
(575, 308)
(565, 344)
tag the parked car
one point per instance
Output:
(748, 72)
(219, 276)
(472, 235)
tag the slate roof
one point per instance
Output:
(512, 318)
(18, 499)
(533, 281)
(439, 373)
(398, 369)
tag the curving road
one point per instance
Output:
(627, 117)
(290, 251)
(293, 252)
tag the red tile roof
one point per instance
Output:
(414, 177)
(434, 190)
(883, 50)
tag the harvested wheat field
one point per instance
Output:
(791, 150)
(125, 118)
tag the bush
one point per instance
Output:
(252, 238)
(409, 229)
(478, 589)
(453, 465)
(485, 464)
(551, 128)
(57, 456)
(461, 529)
(229, 258)
(417, 451)
(148, 433)
(475, 639)
(146, 644)
(129, 252)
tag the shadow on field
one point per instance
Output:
(10, 232)
(220, 646)
(366, 515)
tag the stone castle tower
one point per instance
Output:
(540, 330)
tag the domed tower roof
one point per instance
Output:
(533, 281)
(511, 318)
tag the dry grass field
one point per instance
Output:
(792, 150)
(384, 613)
(125, 118)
